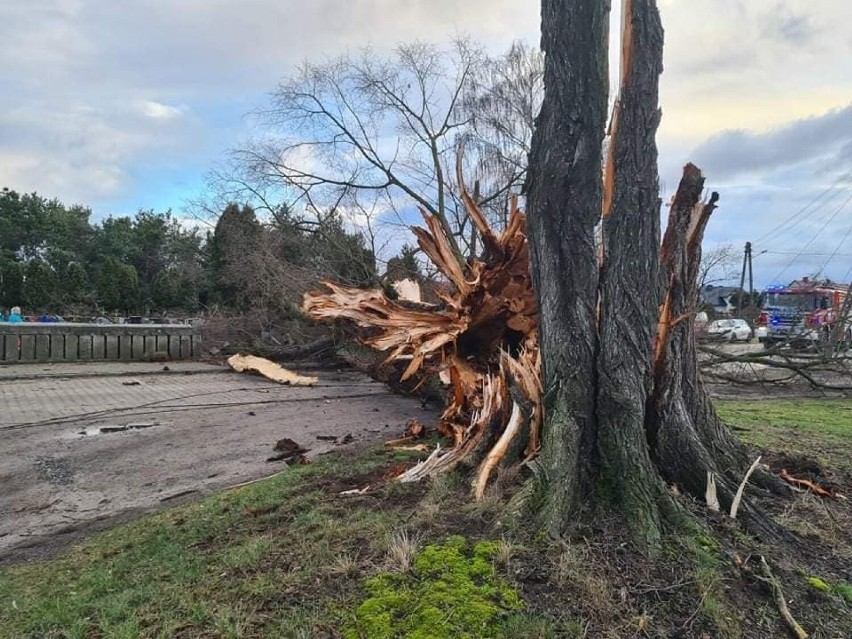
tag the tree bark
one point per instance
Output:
(629, 299)
(564, 202)
(685, 434)
(625, 409)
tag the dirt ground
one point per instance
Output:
(88, 446)
(177, 434)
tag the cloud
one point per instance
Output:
(83, 153)
(788, 27)
(737, 153)
(160, 111)
(126, 104)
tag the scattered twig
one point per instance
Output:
(254, 481)
(669, 588)
(182, 493)
(806, 483)
(797, 630)
(355, 491)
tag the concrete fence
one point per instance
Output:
(66, 342)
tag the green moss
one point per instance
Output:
(453, 592)
(819, 584)
(844, 590)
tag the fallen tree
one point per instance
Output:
(482, 341)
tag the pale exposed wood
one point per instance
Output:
(710, 497)
(498, 452)
(269, 370)
(739, 496)
(482, 341)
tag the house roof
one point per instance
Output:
(717, 295)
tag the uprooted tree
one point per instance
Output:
(575, 349)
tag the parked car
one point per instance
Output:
(732, 330)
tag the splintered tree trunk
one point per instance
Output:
(594, 372)
(625, 410)
(685, 435)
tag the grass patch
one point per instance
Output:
(844, 590)
(818, 428)
(214, 568)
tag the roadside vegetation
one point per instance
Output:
(290, 556)
(820, 430)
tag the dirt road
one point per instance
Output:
(87, 446)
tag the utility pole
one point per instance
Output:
(746, 263)
(751, 299)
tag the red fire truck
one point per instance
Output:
(806, 314)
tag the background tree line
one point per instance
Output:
(55, 259)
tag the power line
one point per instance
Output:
(836, 249)
(785, 224)
(834, 254)
(815, 236)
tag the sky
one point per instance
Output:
(122, 105)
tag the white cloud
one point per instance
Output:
(81, 153)
(160, 111)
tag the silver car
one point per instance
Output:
(732, 330)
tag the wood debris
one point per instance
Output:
(417, 448)
(415, 429)
(808, 484)
(290, 452)
(355, 491)
(481, 341)
(780, 601)
(269, 370)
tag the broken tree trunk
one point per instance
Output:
(653, 421)
(626, 410)
(685, 435)
(481, 341)
(597, 360)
